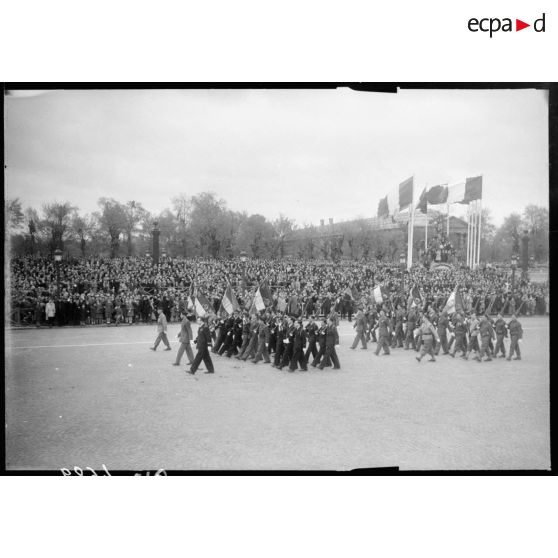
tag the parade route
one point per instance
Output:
(98, 396)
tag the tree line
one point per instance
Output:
(203, 225)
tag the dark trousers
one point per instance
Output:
(311, 350)
(298, 358)
(500, 345)
(409, 336)
(443, 344)
(320, 354)
(287, 355)
(244, 346)
(261, 352)
(383, 343)
(329, 358)
(202, 354)
(279, 348)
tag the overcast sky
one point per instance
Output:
(308, 154)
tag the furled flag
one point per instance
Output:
(397, 200)
(465, 192)
(229, 304)
(454, 302)
(377, 294)
(437, 194)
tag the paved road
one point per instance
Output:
(94, 396)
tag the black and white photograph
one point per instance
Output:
(276, 279)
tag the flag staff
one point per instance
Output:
(480, 228)
(411, 227)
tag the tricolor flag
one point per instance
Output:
(422, 205)
(437, 194)
(265, 292)
(258, 303)
(201, 305)
(229, 304)
(466, 192)
(454, 302)
(397, 200)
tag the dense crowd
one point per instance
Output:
(129, 290)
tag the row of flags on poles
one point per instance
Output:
(401, 198)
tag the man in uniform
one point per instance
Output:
(486, 334)
(411, 325)
(203, 341)
(443, 323)
(360, 326)
(263, 338)
(516, 333)
(501, 332)
(398, 336)
(383, 334)
(311, 331)
(427, 334)
(460, 332)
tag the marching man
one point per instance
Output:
(427, 334)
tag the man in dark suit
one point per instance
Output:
(299, 342)
(203, 341)
(332, 339)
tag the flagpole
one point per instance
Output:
(411, 228)
(480, 231)
(474, 235)
(468, 236)
(426, 230)
(447, 232)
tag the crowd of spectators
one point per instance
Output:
(129, 290)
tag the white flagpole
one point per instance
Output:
(480, 231)
(411, 227)
(447, 232)
(476, 242)
(468, 249)
(426, 230)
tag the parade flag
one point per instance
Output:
(437, 194)
(258, 303)
(377, 294)
(201, 304)
(422, 205)
(228, 303)
(454, 302)
(397, 200)
(465, 192)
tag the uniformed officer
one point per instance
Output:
(501, 332)
(383, 334)
(516, 333)
(360, 326)
(427, 334)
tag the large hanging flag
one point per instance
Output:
(377, 295)
(202, 306)
(422, 205)
(258, 303)
(437, 194)
(454, 302)
(397, 200)
(466, 192)
(229, 304)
